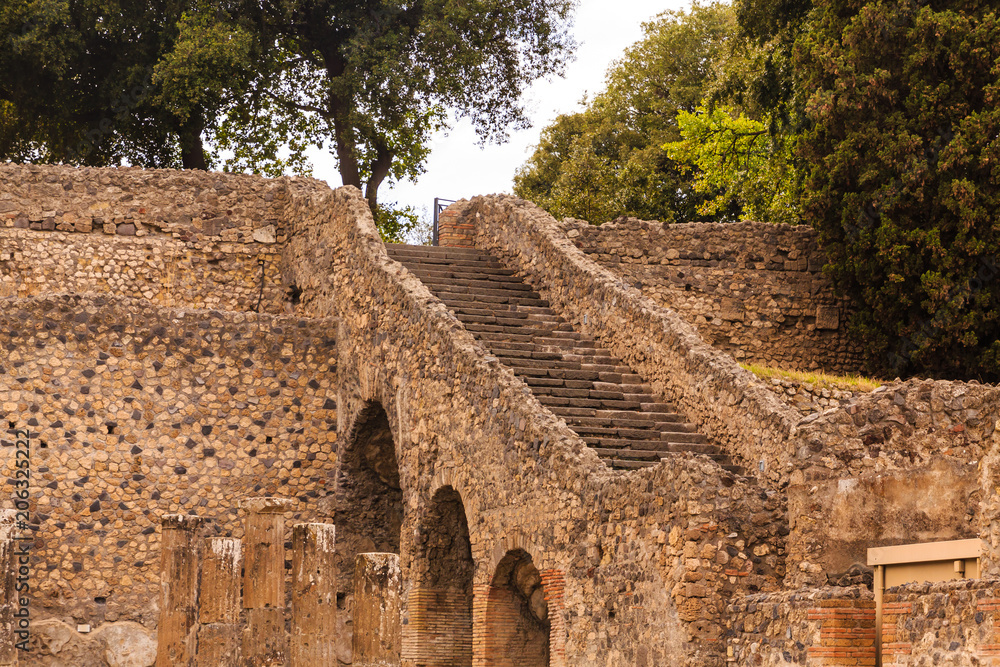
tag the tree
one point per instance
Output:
(904, 181)
(739, 163)
(263, 80)
(376, 78)
(609, 160)
(80, 81)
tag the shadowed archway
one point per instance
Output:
(517, 615)
(440, 603)
(369, 495)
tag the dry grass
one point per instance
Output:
(858, 383)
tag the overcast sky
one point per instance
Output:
(458, 168)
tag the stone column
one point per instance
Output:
(314, 595)
(219, 603)
(180, 565)
(8, 596)
(265, 642)
(377, 595)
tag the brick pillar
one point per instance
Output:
(554, 585)
(480, 603)
(8, 597)
(454, 229)
(180, 566)
(265, 642)
(219, 603)
(377, 595)
(895, 648)
(314, 595)
(847, 633)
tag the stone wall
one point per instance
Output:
(137, 411)
(810, 398)
(902, 464)
(950, 623)
(827, 626)
(177, 239)
(753, 289)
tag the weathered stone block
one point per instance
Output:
(377, 593)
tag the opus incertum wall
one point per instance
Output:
(153, 387)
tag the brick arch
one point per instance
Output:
(498, 607)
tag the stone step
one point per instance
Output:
(435, 251)
(654, 445)
(502, 345)
(438, 271)
(634, 421)
(557, 361)
(473, 285)
(627, 454)
(555, 343)
(669, 416)
(484, 301)
(588, 403)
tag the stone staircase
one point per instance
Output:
(598, 395)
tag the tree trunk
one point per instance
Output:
(383, 162)
(347, 157)
(192, 148)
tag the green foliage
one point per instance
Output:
(608, 160)
(904, 185)
(402, 224)
(739, 164)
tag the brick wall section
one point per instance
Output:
(454, 230)
(137, 412)
(950, 623)
(753, 289)
(847, 632)
(828, 626)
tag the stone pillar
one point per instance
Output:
(265, 642)
(8, 596)
(314, 595)
(219, 603)
(180, 566)
(377, 595)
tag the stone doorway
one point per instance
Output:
(517, 615)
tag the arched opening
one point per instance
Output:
(368, 506)
(517, 615)
(439, 626)
(369, 496)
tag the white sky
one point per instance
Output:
(458, 168)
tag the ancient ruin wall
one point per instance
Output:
(902, 464)
(651, 554)
(949, 623)
(177, 239)
(824, 626)
(136, 412)
(849, 470)
(752, 289)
